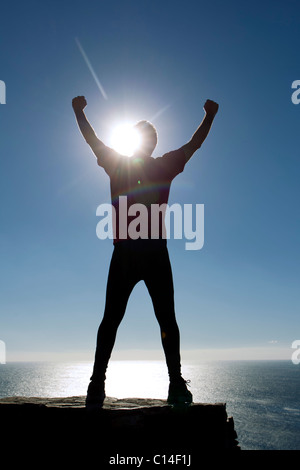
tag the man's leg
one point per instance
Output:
(119, 286)
(159, 281)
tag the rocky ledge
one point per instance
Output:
(123, 427)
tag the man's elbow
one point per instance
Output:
(190, 148)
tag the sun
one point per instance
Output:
(125, 139)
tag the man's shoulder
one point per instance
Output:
(111, 160)
(172, 156)
(173, 161)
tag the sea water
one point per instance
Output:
(263, 397)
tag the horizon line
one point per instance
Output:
(187, 355)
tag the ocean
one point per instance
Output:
(263, 397)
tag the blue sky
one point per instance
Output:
(240, 293)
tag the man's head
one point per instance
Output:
(148, 137)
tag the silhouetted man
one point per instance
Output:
(145, 180)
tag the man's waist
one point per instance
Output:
(141, 244)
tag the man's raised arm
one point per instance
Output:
(98, 147)
(211, 109)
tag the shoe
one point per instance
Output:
(95, 397)
(178, 392)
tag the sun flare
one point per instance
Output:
(125, 139)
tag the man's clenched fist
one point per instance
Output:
(211, 107)
(79, 103)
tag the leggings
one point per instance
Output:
(133, 261)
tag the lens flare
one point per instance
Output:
(99, 85)
(125, 139)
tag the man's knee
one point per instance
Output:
(169, 330)
(108, 325)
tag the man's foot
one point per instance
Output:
(178, 392)
(95, 397)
